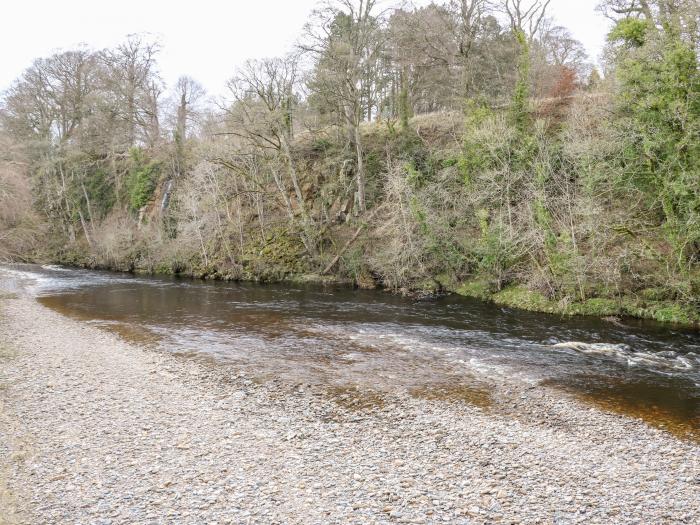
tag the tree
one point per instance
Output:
(187, 95)
(526, 17)
(658, 106)
(345, 41)
(131, 76)
(424, 68)
(262, 115)
(52, 109)
(471, 14)
(525, 21)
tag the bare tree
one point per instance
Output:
(262, 115)
(345, 39)
(188, 94)
(423, 49)
(526, 16)
(471, 15)
(132, 77)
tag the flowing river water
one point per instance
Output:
(378, 342)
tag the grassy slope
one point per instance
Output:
(519, 296)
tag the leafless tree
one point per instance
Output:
(526, 16)
(262, 115)
(346, 39)
(188, 95)
(132, 77)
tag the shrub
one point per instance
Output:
(142, 179)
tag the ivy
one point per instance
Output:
(142, 180)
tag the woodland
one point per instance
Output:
(466, 146)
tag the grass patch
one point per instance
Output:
(521, 297)
(475, 289)
(647, 306)
(662, 311)
(595, 307)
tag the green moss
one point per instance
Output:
(314, 278)
(525, 299)
(476, 289)
(142, 180)
(662, 311)
(280, 256)
(165, 268)
(428, 286)
(595, 307)
(521, 297)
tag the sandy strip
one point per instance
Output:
(94, 429)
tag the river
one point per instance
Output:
(379, 342)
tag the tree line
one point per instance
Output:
(465, 144)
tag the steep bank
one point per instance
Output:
(436, 222)
(104, 430)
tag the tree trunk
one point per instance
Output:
(360, 170)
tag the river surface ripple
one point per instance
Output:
(381, 342)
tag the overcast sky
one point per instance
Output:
(205, 39)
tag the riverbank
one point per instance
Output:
(96, 429)
(645, 306)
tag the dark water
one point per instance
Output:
(378, 341)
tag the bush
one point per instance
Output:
(142, 180)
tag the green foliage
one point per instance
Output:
(92, 194)
(478, 289)
(142, 180)
(474, 160)
(321, 145)
(276, 257)
(415, 178)
(476, 156)
(101, 192)
(659, 108)
(520, 104)
(630, 31)
(495, 254)
(420, 164)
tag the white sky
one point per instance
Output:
(206, 39)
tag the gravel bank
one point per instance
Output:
(94, 429)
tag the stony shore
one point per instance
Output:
(94, 429)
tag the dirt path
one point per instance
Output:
(97, 430)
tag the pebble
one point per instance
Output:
(112, 442)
